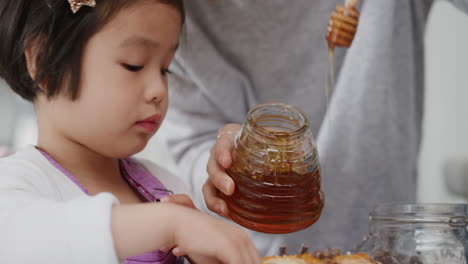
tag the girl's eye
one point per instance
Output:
(165, 71)
(132, 68)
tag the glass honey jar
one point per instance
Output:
(417, 234)
(276, 171)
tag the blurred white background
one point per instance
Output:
(444, 150)
(445, 129)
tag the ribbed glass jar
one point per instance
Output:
(276, 171)
(417, 234)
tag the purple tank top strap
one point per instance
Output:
(63, 170)
(146, 184)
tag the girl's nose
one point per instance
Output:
(157, 90)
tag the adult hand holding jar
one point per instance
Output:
(218, 180)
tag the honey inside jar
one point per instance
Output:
(276, 172)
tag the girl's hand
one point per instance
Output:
(229, 233)
(209, 240)
(220, 159)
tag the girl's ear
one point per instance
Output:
(31, 53)
(31, 60)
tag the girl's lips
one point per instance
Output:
(148, 126)
(153, 119)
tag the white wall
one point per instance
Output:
(7, 114)
(446, 110)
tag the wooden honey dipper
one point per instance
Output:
(343, 25)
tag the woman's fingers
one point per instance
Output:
(213, 201)
(218, 177)
(223, 148)
(224, 144)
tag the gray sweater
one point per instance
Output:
(239, 53)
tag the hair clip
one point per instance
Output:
(77, 4)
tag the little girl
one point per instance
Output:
(96, 72)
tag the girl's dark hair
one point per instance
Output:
(58, 36)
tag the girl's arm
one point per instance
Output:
(97, 230)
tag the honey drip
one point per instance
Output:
(331, 75)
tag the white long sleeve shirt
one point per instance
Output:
(46, 218)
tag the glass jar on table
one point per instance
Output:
(417, 234)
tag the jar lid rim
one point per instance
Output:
(293, 108)
(455, 215)
(435, 208)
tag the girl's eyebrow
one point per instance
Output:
(142, 41)
(138, 41)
